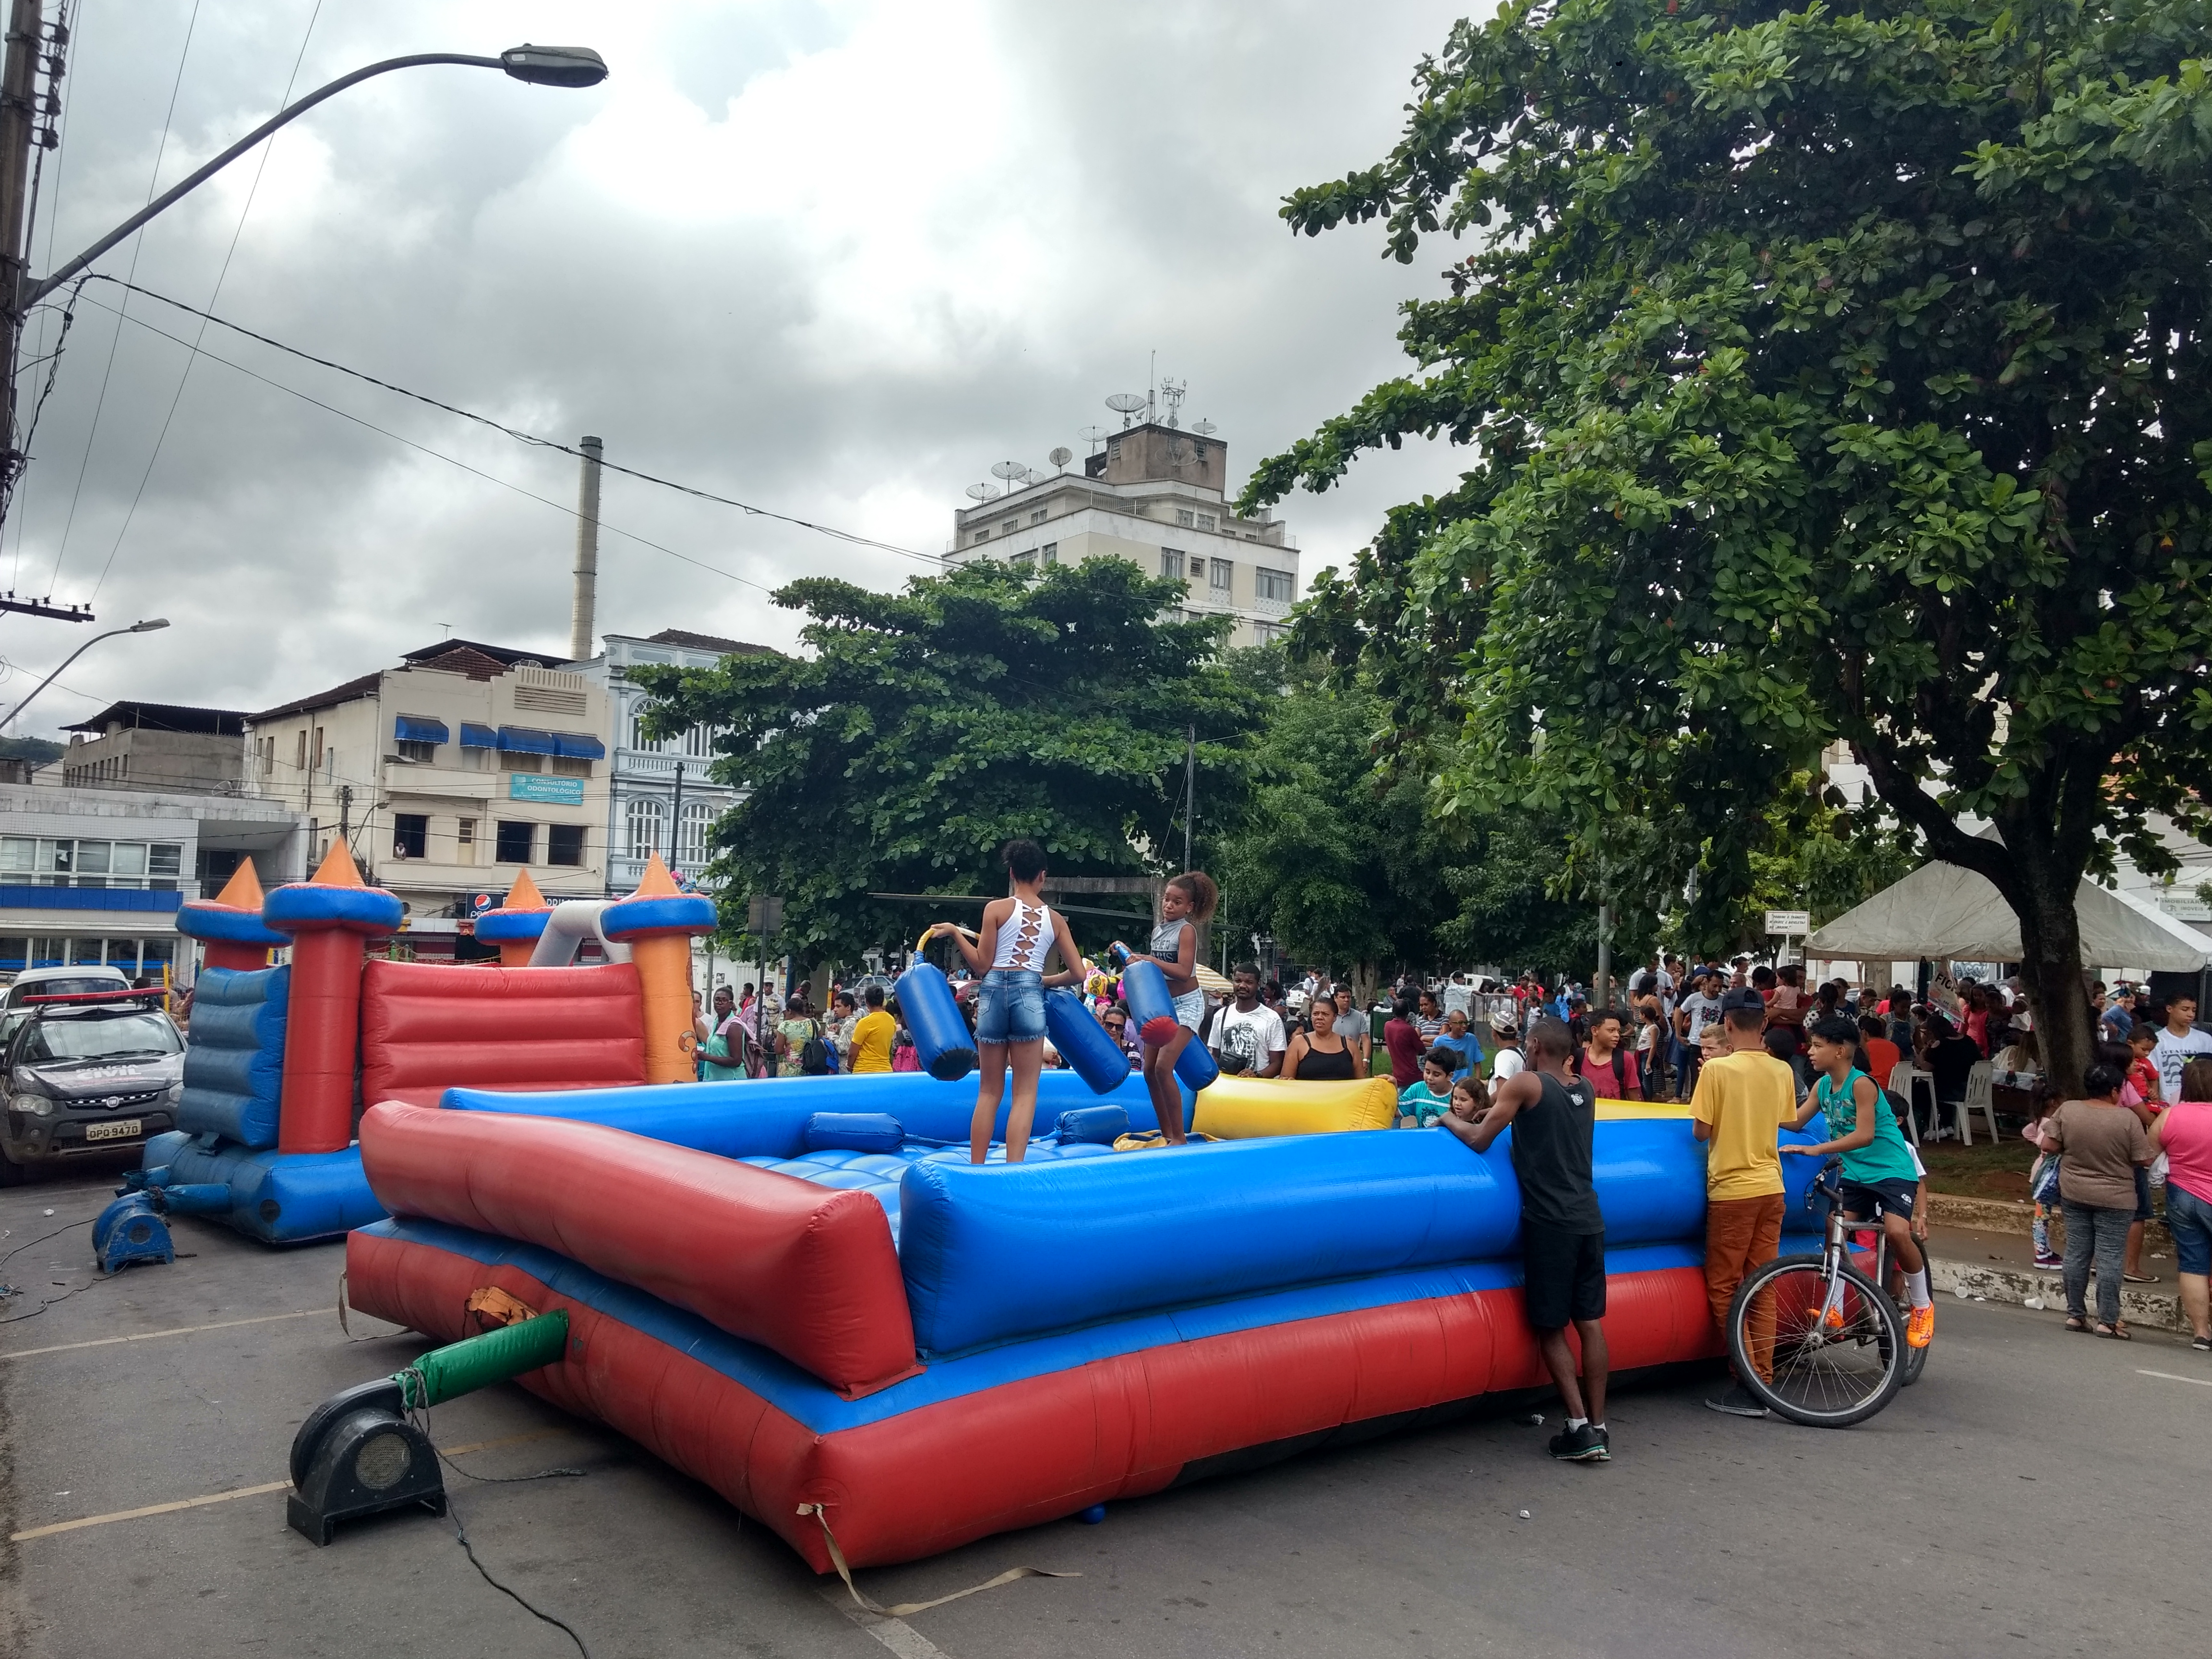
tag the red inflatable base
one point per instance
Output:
(945, 1473)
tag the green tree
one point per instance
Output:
(1334, 860)
(914, 733)
(1832, 373)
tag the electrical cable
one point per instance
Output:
(347, 414)
(531, 439)
(261, 165)
(137, 246)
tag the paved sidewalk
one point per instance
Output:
(1999, 1266)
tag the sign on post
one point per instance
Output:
(764, 916)
(1789, 924)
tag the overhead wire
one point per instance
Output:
(534, 440)
(261, 165)
(137, 246)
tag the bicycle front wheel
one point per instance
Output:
(1836, 1343)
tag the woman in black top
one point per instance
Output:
(1317, 1054)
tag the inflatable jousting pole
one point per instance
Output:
(328, 919)
(658, 923)
(516, 925)
(230, 926)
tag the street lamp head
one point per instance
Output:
(555, 66)
(152, 624)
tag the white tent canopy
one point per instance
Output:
(1940, 910)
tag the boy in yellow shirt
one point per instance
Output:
(1743, 1099)
(872, 1036)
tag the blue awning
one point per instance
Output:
(413, 728)
(578, 747)
(477, 737)
(522, 740)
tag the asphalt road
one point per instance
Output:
(2037, 1493)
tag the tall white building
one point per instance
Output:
(1154, 494)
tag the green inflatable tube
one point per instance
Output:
(462, 1367)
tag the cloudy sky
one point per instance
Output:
(833, 259)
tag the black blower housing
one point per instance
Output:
(358, 1455)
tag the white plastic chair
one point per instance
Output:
(1902, 1077)
(1980, 1096)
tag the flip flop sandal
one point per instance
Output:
(2140, 1279)
(2116, 1332)
(2074, 1322)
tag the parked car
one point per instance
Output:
(92, 1071)
(62, 982)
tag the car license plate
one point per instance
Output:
(129, 1128)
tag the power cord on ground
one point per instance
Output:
(8, 1290)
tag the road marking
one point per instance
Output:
(896, 1634)
(174, 1330)
(2168, 1377)
(257, 1491)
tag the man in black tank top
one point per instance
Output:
(1554, 1115)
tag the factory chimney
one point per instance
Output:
(580, 616)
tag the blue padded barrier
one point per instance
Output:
(1250, 1216)
(1196, 1069)
(279, 1198)
(942, 1040)
(1145, 989)
(748, 1117)
(234, 1054)
(1103, 1125)
(854, 1131)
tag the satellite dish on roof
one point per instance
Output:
(1205, 428)
(1093, 435)
(1010, 470)
(1060, 457)
(979, 492)
(1125, 403)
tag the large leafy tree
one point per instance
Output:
(1832, 374)
(915, 733)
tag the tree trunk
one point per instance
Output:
(2050, 936)
(1365, 976)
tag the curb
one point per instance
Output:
(2159, 1309)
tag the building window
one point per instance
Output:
(420, 754)
(691, 832)
(564, 843)
(1266, 633)
(1172, 562)
(515, 841)
(984, 535)
(1050, 552)
(1219, 576)
(571, 766)
(1037, 517)
(516, 761)
(464, 841)
(1206, 521)
(637, 738)
(1024, 560)
(1008, 526)
(410, 836)
(299, 755)
(1185, 517)
(1112, 449)
(699, 742)
(644, 819)
(1272, 583)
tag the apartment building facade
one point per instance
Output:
(1157, 496)
(447, 776)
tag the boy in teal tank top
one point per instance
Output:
(1880, 1176)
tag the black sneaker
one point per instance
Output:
(1587, 1444)
(1738, 1401)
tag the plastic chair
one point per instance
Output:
(1980, 1096)
(1902, 1077)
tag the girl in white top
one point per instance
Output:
(1186, 905)
(1009, 951)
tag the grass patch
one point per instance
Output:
(1981, 1170)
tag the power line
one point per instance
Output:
(530, 438)
(347, 414)
(137, 246)
(261, 166)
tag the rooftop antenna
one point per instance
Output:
(1011, 471)
(1171, 394)
(1125, 403)
(1204, 428)
(1095, 436)
(1152, 380)
(979, 492)
(448, 627)
(1060, 457)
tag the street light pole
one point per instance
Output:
(149, 626)
(545, 66)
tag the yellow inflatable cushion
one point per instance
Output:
(1243, 1108)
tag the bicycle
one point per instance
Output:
(1839, 1353)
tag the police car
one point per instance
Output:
(86, 1065)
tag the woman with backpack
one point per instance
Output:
(800, 1049)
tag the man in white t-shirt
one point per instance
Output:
(1249, 1039)
(2179, 1044)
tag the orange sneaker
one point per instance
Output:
(1833, 1316)
(1920, 1329)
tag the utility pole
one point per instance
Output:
(584, 601)
(345, 815)
(18, 108)
(676, 820)
(1190, 788)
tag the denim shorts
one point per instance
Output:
(2142, 1193)
(2189, 1218)
(1010, 1008)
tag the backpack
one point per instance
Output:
(814, 1057)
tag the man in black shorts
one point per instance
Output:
(1555, 1118)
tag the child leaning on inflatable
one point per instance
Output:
(1009, 950)
(1186, 906)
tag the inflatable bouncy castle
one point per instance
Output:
(845, 1327)
(278, 1059)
